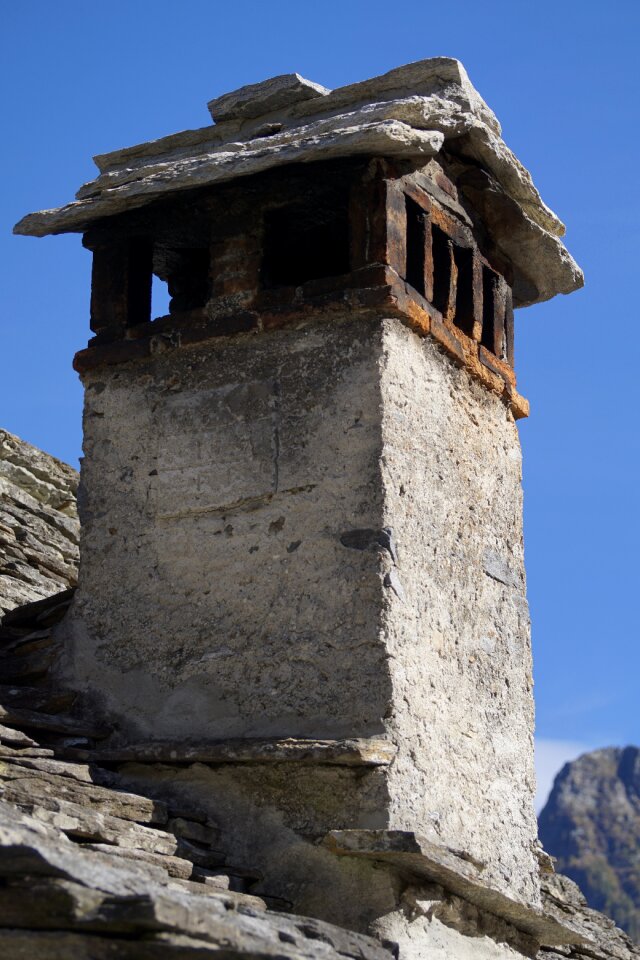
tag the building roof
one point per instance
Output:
(90, 867)
(415, 112)
(39, 529)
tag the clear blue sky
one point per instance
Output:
(81, 78)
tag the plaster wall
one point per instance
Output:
(218, 598)
(457, 629)
(215, 597)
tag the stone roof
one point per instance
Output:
(411, 113)
(91, 869)
(39, 529)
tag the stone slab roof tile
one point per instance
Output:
(90, 869)
(412, 112)
(39, 529)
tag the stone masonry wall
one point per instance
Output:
(39, 530)
(216, 598)
(317, 532)
(458, 634)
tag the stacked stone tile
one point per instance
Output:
(90, 870)
(413, 112)
(39, 530)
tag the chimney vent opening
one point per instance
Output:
(181, 279)
(488, 309)
(305, 242)
(416, 239)
(441, 249)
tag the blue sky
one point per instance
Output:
(80, 79)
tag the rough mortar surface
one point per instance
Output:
(215, 594)
(457, 630)
(318, 532)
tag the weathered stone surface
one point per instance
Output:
(342, 137)
(37, 614)
(563, 899)
(457, 873)
(82, 823)
(16, 737)
(374, 752)
(444, 638)
(294, 945)
(407, 113)
(34, 720)
(443, 78)
(26, 752)
(22, 696)
(39, 529)
(176, 867)
(205, 833)
(20, 785)
(299, 438)
(79, 889)
(236, 450)
(30, 847)
(256, 99)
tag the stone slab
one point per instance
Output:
(406, 113)
(372, 752)
(38, 524)
(416, 856)
(81, 890)
(255, 99)
(21, 785)
(233, 160)
(52, 723)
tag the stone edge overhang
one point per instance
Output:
(459, 873)
(411, 113)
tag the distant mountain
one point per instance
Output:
(591, 823)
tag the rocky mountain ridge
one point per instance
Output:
(591, 825)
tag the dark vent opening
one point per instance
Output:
(440, 245)
(464, 290)
(415, 245)
(305, 242)
(189, 282)
(139, 273)
(488, 309)
(186, 272)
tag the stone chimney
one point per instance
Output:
(301, 558)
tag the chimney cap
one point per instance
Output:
(410, 112)
(256, 99)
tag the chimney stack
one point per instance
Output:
(302, 558)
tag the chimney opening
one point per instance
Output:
(159, 297)
(181, 279)
(304, 242)
(441, 250)
(138, 281)
(464, 317)
(415, 245)
(488, 309)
